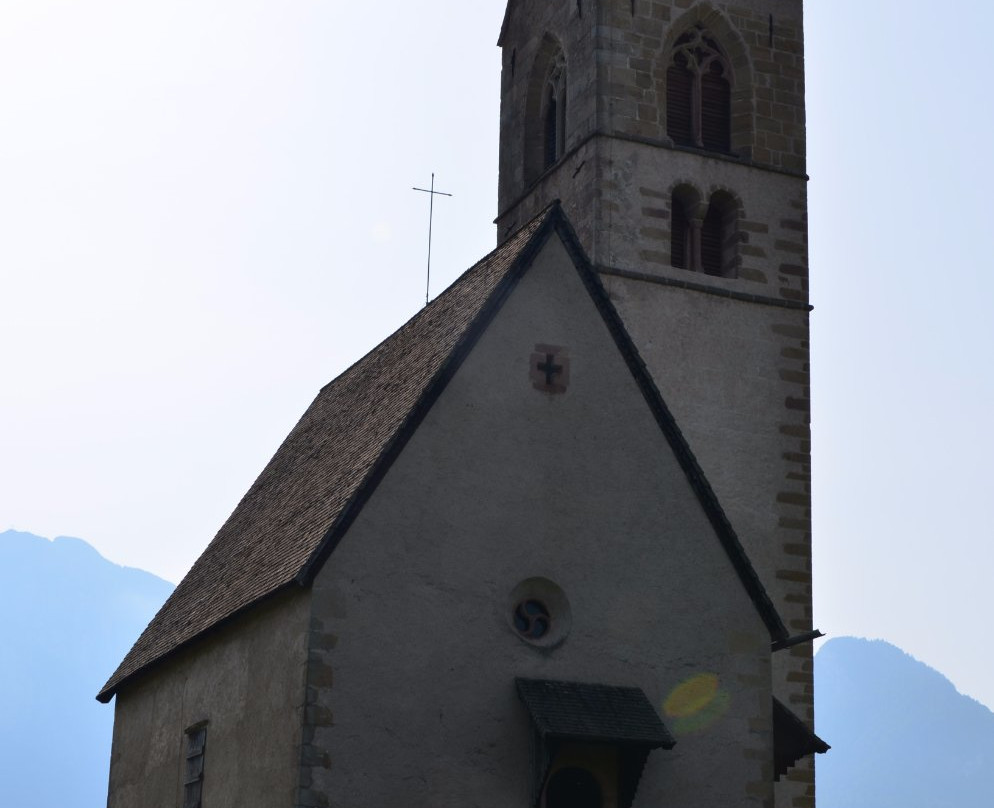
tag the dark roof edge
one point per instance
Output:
(817, 744)
(396, 444)
(442, 294)
(432, 391)
(664, 741)
(678, 443)
(554, 220)
(504, 24)
(109, 691)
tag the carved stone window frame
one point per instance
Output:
(554, 113)
(738, 56)
(698, 52)
(546, 118)
(704, 231)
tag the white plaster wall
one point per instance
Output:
(501, 483)
(247, 680)
(719, 366)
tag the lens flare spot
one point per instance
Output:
(692, 696)
(696, 703)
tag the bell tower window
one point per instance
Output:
(551, 129)
(719, 236)
(681, 241)
(704, 235)
(699, 93)
(545, 110)
(554, 138)
(716, 105)
(680, 101)
(685, 228)
(711, 242)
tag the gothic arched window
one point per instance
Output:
(554, 113)
(545, 110)
(699, 93)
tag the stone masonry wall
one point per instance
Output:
(617, 53)
(764, 45)
(530, 28)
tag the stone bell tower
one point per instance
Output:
(673, 133)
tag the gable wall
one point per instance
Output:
(247, 681)
(413, 656)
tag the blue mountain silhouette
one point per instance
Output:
(69, 616)
(901, 735)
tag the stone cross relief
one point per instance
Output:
(549, 368)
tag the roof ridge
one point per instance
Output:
(532, 235)
(323, 473)
(441, 296)
(324, 470)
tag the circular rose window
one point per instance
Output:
(531, 619)
(539, 612)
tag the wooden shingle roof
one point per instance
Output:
(295, 509)
(593, 713)
(321, 476)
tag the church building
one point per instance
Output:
(549, 544)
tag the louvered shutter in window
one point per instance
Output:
(712, 240)
(679, 104)
(678, 238)
(193, 783)
(551, 131)
(716, 110)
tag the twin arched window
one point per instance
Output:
(704, 239)
(699, 93)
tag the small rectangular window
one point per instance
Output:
(193, 779)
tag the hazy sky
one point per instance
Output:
(206, 214)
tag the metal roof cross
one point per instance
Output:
(432, 193)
